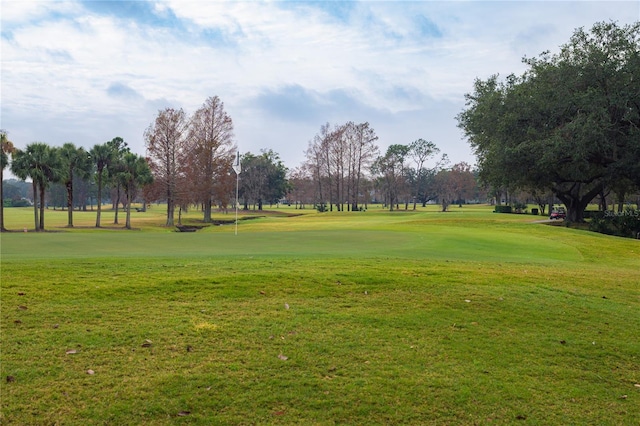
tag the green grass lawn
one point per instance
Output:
(465, 317)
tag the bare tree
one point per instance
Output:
(211, 152)
(165, 140)
(455, 184)
(319, 162)
(337, 158)
(363, 151)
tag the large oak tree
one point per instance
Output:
(569, 124)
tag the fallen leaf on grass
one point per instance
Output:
(22, 308)
(184, 413)
(279, 413)
(282, 357)
(71, 352)
(147, 343)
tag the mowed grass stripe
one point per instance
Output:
(441, 243)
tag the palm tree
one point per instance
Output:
(118, 148)
(6, 148)
(73, 161)
(40, 163)
(136, 172)
(101, 155)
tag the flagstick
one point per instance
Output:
(237, 168)
(237, 185)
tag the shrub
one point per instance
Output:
(502, 209)
(621, 224)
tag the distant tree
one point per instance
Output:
(421, 150)
(391, 169)
(337, 158)
(263, 179)
(362, 152)
(455, 184)
(211, 153)
(6, 149)
(166, 146)
(318, 161)
(135, 173)
(39, 162)
(17, 191)
(74, 161)
(302, 186)
(101, 155)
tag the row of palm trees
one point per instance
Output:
(43, 165)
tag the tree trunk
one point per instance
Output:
(35, 205)
(69, 186)
(99, 199)
(2, 228)
(128, 220)
(576, 203)
(115, 219)
(42, 207)
(207, 211)
(170, 209)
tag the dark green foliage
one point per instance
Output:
(520, 207)
(503, 209)
(623, 224)
(570, 124)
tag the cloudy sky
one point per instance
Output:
(87, 71)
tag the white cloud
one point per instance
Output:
(71, 71)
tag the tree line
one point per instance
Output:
(44, 165)
(345, 170)
(188, 164)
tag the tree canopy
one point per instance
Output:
(570, 124)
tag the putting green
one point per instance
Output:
(442, 243)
